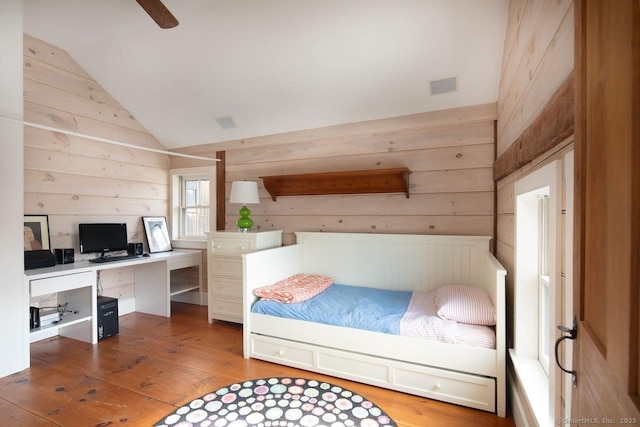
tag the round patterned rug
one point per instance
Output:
(279, 402)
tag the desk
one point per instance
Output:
(76, 284)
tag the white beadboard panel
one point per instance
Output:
(394, 261)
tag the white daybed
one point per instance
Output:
(455, 373)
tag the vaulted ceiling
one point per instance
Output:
(273, 66)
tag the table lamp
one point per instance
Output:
(244, 192)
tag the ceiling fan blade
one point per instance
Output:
(159, 13)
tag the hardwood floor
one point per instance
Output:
(156, 364)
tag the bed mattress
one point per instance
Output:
(405, 313)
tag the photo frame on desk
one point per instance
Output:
(36, 233)
(158, 239)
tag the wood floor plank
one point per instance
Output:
(14, 415)
(156, 364)
(77, 399)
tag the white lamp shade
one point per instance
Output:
(244, 192)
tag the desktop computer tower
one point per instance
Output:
(107, 317)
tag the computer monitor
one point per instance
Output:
(104, 237)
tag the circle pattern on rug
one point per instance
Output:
(279, 402)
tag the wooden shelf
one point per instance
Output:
(353, 182)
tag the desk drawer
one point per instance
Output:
(279, 351)
(222, 246)
(191, 260)
(67, 282)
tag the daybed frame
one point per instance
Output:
(454, 373)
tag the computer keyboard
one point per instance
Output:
(113, 258)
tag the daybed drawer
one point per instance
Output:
(281, 352)
(235, 246)
(441, 384)
(224, 266)
(463, 389)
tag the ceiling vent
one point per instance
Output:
(450, 84)
(226, 122)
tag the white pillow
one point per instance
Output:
(465, 304)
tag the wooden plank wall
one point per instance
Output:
(450, 154)
(538, 58)
(75, 180)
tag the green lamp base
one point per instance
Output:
(245, 223)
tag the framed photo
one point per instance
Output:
(158, 240)
(36, 233)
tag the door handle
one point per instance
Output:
(573, 334)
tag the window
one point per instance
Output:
(193, 203)
(543, 281)
(194, 207)
(537, 285)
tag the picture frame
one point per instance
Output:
(36, 233)
(157, 233)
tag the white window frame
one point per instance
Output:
(176, 178)
(544, 282)
(539, 380)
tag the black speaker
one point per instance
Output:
(65, 256)
(107, 317)
(135, 249)
(38, 259)
(34, 317)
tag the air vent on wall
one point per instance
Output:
(226, 122)
(449, 84)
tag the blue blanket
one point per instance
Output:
(350, 306)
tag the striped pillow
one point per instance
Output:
(297, 288)
(465, 304)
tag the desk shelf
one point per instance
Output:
(77, 289)
(69, 319)
(394, 180)
(178, 287)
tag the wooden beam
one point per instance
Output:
(551, 127)
(220, 190)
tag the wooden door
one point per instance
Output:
(607, 239)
